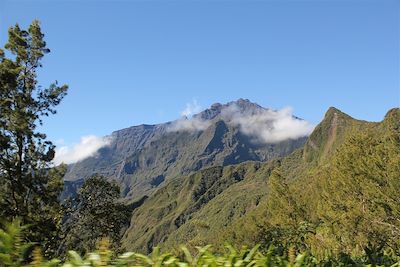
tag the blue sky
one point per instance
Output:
(134, 62)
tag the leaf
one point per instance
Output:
(187, 254)
(251, 254)
(74, 258)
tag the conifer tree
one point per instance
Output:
(29, 185)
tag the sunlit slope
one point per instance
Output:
(241, 203)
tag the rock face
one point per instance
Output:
(142, 158)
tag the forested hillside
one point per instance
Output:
(337, 194)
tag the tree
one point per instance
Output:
(29, 186)
(95, 213)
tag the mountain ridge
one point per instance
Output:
(141, 158)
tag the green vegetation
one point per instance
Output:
(29, 187)
(336, 195)
(94, 213)
(176, 213)
(346, 203)
(13, 253)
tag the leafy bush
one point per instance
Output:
(13, 252)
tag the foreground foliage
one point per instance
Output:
(14, 252)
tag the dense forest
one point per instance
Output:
(333, 201)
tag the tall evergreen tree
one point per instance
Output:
(29, 186)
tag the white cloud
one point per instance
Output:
(187, 122)
(88, 147)
(267, 126)
(261, 125)
(188, 125)
(191, 109)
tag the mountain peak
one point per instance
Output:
(332, 111)
(393, 113)
(242, 102)
(243, 105)
(323, 140)
(392, 118)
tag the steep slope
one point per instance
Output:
(329, 134)
(221, 193)
(339, 193)
(241, 203)
(107, 162)
(142, 158)
(322, 143)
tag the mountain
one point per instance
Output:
(335, 193)
(194, 209)
(142, 158)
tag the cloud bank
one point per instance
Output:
(261, 125)
(187, 122)
(189, 125)
(87, 147)
(266, 125)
